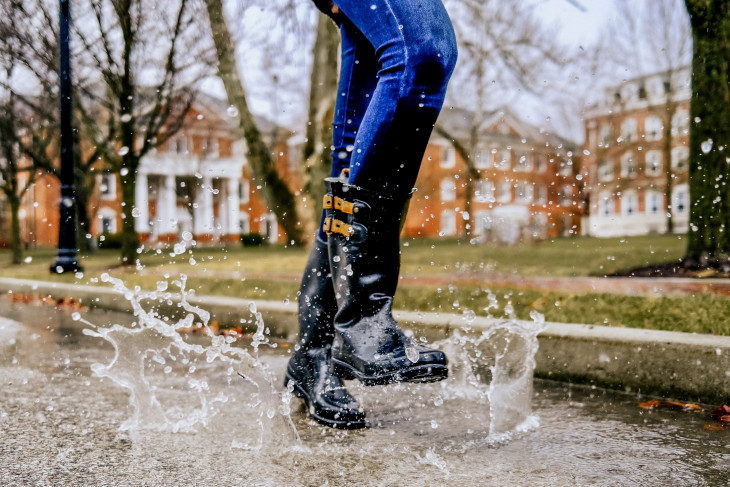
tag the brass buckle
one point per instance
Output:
(344, 206)
(327, 201)
(331, 226)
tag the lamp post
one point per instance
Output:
(66, 260)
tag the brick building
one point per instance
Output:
(527, 188)
(637, 156)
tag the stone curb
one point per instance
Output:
(672, 364)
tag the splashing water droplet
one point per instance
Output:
(136, 212)
(28, 260)
(252, 307)
(123, 151)
(76, 316)
(412, 354)
(706, 146)
(124, 171)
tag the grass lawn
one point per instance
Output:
(273, 273)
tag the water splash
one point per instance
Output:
(210, 372)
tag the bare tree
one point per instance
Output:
(504, 50)
(278, 196)
(144, 59)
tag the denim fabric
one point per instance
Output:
(397, 57)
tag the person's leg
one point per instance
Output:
(415, 46)
(309, 370)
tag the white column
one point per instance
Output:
(203, 209)
(234, 208)
(166, 203)
(141, 204)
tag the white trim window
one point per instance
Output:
(211, 148)
(484, 192)
(606, 205)
(505, 192)
(629, 203)
(653, 165)
(524, 192)
(108, 186)
(680, 123)
(448, 157)
(244, 223)
(653, 128)
(629, 130)
(680, 159)
(503, 160)
(566, 167)
(244, 191)
(566, 195)
(483, 159)
(628, 165)
(107, 221)
(541, 195)
(180, 145)
(604, 136)
(523, 161)
(448, 189)
(680, 200)
(540, 162)
(269, 227)
(605, 170)
(654, 202)
(482, 222)
(448, 223)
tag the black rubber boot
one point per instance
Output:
(309, 368)
(363, 239)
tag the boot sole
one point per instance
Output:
(417, 373)
(332, 423)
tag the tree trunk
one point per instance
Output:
(667, 156)
(130, 239)
(709, 141)
(16, 245)
(322, 97)
(279, 198)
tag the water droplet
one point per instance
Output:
(336, 258)
(232, 111)
(28, 260)
(125, 118)
(468, 316)
(124, 171)
(123, 151)
(706, 146)
(252, 307)
(162, 286)
(187, 236)
(76, 316)
(136, 212)
(412, 354)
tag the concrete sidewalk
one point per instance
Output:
(684, 366)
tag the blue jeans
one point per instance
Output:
(397, 57)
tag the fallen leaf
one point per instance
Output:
(714, 427)
(676, 405)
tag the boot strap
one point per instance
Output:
(338, 204)
(336, 226)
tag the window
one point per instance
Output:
(505, 192)
(628, 165)
(653, 163)
(482, 222)
(541, 195)
(605, 205)
(244, 223)
(180, 145)
(484, 192)
(244, 191)
(604, 139)
(448, 157)
(680, 123)
(503, 160)
(269, 227)
(566, 195)
(680, 159)
(629, 203)
(483, 159)
(680, 199)
(629, 92)
(524, 192)
(211, 147)
(654, 202)
(605, 170)
(523, 161)
(653, 128)
(540, 162)
(448, 189)
(107, 221)
(628, 130)
(108, 186)
(448, 223)
(566, 167)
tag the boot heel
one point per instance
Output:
(341, 370)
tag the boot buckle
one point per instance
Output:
(344, 206)
(331, 226)
(327, 202)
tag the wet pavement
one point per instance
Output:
(60, 425)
